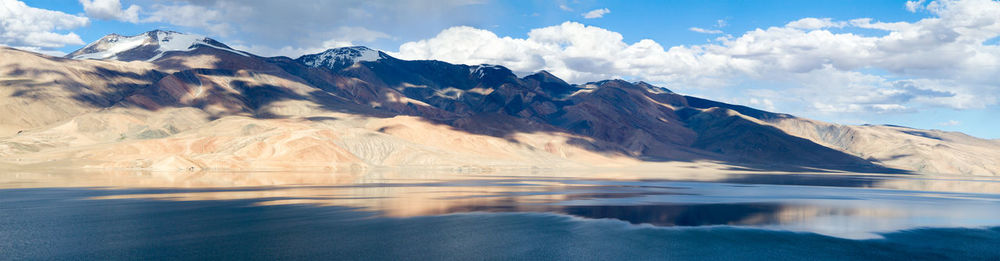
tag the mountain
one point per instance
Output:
(147, 46)
(206, 106)
(339, 58)
(925, 151)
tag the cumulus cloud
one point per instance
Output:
(596, 13)
(35, 29)
(939, 61)
(705, 31)
(110, 10)
(572, 50)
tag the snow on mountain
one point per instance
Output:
(147, 46)
(339, 58)
(480, 71)
(111, 45)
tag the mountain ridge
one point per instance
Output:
(362, 110)
(147, 46)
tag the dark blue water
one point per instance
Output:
(740, 218)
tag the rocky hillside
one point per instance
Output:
(205, 106)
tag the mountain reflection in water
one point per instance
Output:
(847, 206)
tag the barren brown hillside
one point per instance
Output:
(212, 109)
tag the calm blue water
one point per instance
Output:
(60, 216)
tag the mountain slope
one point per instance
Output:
(38, 90)
(255, 118)
(206, 106)
(927, 151)
(147, 46)
(340, 58)
(639, 119)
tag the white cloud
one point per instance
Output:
(815, 23)
(287, 51)
(346, 36)
(267, 25)
(705, 31)
(25, 27)
(721, 23)
(762, 103)
(209, 19)
(110, 10)
(950, 123)
(596, 13)
(476, 46)
(718, 24)
(914, 6)
(309, 25)
(358, 34)
(938, 61)
(565, 7)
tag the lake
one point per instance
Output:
(532, 214)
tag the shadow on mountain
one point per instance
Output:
(612, 117)
(616, 117)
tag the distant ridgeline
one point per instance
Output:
(190, 102)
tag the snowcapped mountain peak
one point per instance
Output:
(482, 70)
(147, 46)
(339, 58)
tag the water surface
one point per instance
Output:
(510, 215)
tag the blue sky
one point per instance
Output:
(925, 64)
